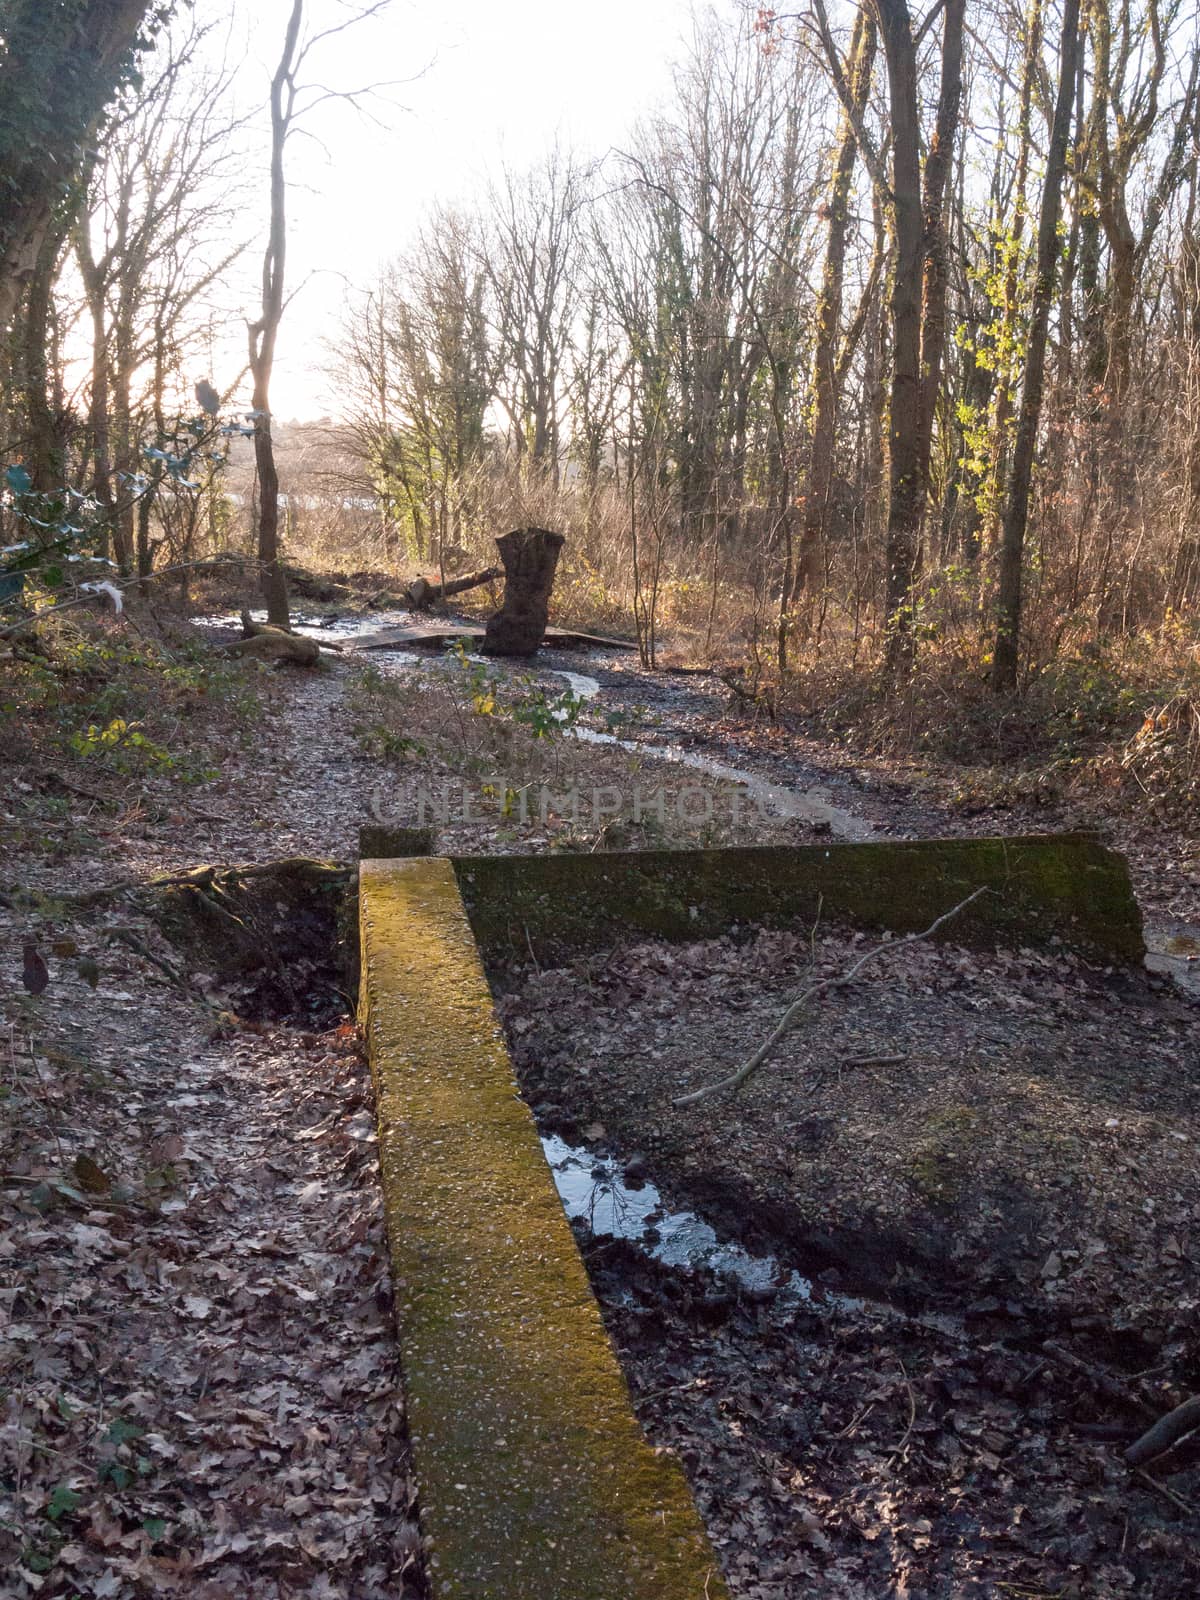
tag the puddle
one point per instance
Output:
(333, 628)
(593, 1188)
(580, 685)
(1173, 951)
(318, 627)
(809, 805)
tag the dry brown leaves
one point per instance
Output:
(200, 1393)
(1006, 1135)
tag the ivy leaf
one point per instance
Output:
(120, 1431)
(62, 1502)
(18, 479)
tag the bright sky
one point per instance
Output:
(489, 82)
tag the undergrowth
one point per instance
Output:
(98, 709)
(1117, 722)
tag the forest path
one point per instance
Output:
(315, 785)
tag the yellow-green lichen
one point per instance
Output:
(533, 1472)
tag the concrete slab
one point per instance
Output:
(534, 1475)
(1043, 888)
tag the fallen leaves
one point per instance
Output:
(199, 1392)
(1002, 1162)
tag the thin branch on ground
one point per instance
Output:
(735, 1080)
(1166, 1491)
(1103, 1382)
(1165, 1433)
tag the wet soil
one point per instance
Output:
(857, 1454)
(1000, 1148)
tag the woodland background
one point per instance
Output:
(869, 367)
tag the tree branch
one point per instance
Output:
(735, 1080)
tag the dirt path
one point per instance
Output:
(199, 1388)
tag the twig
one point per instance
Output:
(1103, 1382)
(126, 936)
(855, 1422)
(912, 1416)
(74, 787)
(1163, 1489)
(736, 1079)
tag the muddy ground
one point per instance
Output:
(1002, 1145)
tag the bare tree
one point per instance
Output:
(415, 366)
(151, 245)
(531, 263)
(290, 99)
(906, 496)
(1006, 654)
(829, 307)
(263, 333)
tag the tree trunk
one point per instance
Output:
(530, 557)
(68, 70)
(125, 448)
(938, 166)
(264, 332)
(422, 592)
(1010, 339)
(907, 482)
(93, 275)
(809, 563)
(44, 453)
(1016, 513)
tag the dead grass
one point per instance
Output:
(496, 751)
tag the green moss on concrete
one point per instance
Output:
(534, 1475)
(1056, 886)
(378, 841)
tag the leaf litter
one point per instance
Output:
(998, 1148)
(199, 1385)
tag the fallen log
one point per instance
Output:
(264, 641)
(276, 646)
(422, 592)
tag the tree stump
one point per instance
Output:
(530, 557)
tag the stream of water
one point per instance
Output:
(1173, 949)
(594, 1189)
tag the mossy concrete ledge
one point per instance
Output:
(1043, 888)
(535, 1477)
